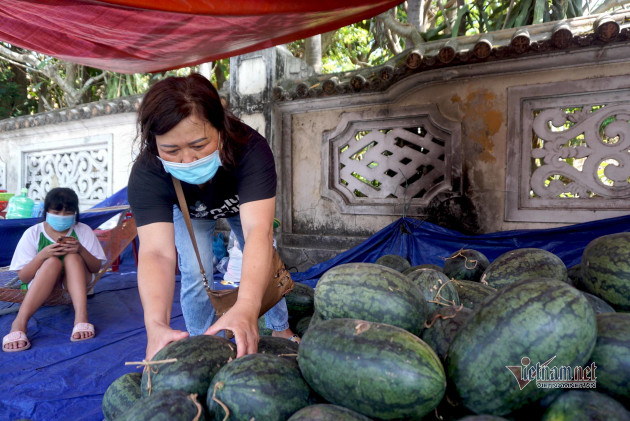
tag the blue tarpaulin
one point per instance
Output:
(60, 380)
(423, 242)
(11, 230)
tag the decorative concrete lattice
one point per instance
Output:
(392, 163)
(85, 170)
(583, 152)
(382, 164)
(569, 151)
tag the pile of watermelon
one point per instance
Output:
(472, 340)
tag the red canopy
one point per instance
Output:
(138, 36)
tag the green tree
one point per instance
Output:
(415, 22)
(32, 82)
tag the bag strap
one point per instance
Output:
(184, 208)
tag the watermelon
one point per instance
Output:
(394, 261)
(521, 264)
(121, 395)
(263, 330)
(277, 346)
(257, 386)
(438, 290)
(466, 264)
(165, 405)
(482, 418)
(302, 325)
(327, 412)
(574, 274)
(370, 292)
(471, 294)
(300, 301)
(585, 405)
(599, 305)
(315, 318)
(422, 266)
(376, 369)
(612, 355)
(198, 359)
(528, 321)
(606, 269)
(441, 327)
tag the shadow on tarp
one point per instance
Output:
(423, 242)
(62, 380)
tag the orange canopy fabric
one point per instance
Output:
(139, 36)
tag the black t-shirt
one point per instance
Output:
(151, 193)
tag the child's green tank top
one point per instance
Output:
(45, 242)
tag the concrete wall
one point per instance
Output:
(116, 131)
(474, 96)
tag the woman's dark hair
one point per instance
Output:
(175, 98)
(61, 198)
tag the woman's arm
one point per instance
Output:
(242, 318)
(156, 283)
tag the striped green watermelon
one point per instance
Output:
(370, 292)
(257, 386)
(441, 327)
(121, 395)
(327, 412)
(438, 290)
(394, 261)
(606, 269)
(300, 301)
(599, 305)
(574, 274)
(472, 294)
(422, 266)
(483, 418)
(198, 359)
(585, 405)
(165, 405)
(532, 320)
(612, 355)
(277, 346)
(302, 325)
(466, 264)
(263, 330)
(376, 369)
(522, 264)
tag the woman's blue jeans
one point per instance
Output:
(198, 312)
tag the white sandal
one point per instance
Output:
(82, 327)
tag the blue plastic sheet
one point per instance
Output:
(11, 230)
(423, 242)
(62, 380)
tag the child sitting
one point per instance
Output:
(58, 250)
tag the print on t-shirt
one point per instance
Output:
(230, 206)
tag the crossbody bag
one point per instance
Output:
(279, 282)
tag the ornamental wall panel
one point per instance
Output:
(379, 161)
(82, 164)
(569, 151)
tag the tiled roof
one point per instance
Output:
(568, 35)
(80, 112)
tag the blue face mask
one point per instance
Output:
(196, 172)
(60, 222)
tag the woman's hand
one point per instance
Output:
(243, 323)
(158, 336)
